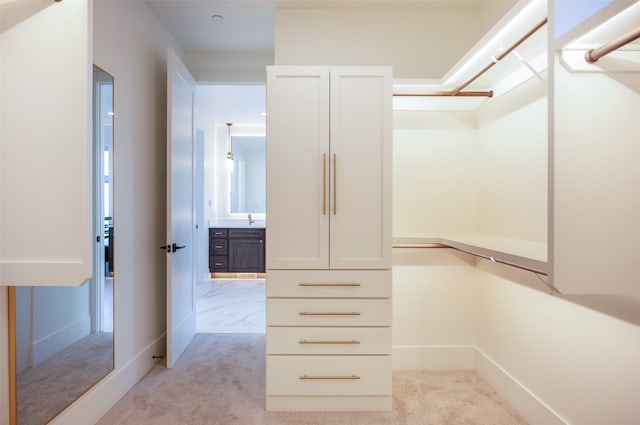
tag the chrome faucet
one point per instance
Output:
(251, 221)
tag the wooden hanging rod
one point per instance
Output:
(500, 57)
(487, 93)
(594, 54)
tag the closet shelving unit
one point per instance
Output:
(523, 254)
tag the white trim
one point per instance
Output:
(532, 408)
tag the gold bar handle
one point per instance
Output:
(329, 377)
(329, 313)
(330, 284)
(324, 184)
(335, 184)
(307, 342)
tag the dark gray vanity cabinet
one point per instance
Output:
(236, 250)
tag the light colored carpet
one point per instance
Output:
(220, 379)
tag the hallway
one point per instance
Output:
(231, 306)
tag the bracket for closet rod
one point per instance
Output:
(591, 56)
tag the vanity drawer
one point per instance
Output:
(217, 233)
(329, 284)
(328, 375)
(328, 312)
(324, 341)
(218, 264)
(219, 246)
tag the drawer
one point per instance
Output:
(219, 264)
(324, 341)
(328, 312)
(218, 246)
(217, 233)
(328, 375)
(246, 233)
(329, 284)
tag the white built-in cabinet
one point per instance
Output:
(328, 249)
(45, 154)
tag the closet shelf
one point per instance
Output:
(519, 253)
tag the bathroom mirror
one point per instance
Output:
(248, 188)
(62, 339)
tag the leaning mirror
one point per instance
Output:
(62, 339)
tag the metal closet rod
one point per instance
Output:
(500, 56)
(594, 54)
(487, 93)
(458, 91)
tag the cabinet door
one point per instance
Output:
(46, 148)
(361, 155)
(297, 167)
(246, 255)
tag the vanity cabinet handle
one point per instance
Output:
(306, 342)
(324, 313)
(330, 284)
(329, 377)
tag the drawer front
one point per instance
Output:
(218, 247)
(217, 233)
(328, 375)
(219, 264)
(329, 284)
(328, 312)
(327, 341)
(246, 233)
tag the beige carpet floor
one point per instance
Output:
(220, 379)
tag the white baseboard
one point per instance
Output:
(60, 339)
(534, 410)
(441, 357)
(96, 402)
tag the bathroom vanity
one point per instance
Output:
(236, 250)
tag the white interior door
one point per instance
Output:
(181, 314)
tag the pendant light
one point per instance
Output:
(230, 151)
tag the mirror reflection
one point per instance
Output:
(248, 189)
(63, 341)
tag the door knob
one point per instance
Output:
(166, 247)
(175, 247)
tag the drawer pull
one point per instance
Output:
(329, 377)
(329, 284)
(218, 246)
(352, 342)
(331, 313)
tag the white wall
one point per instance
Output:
(433, 309)
(131, 44)
(580, 363)
(409, 38)
(228, 67)
(435, 172)
(512, 179)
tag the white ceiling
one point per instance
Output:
(244, 25)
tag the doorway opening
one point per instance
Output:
(230, 290)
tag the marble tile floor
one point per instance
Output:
(231, 306)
